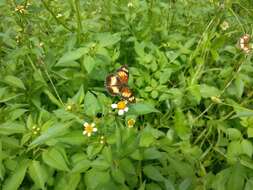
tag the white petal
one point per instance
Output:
(84, 132)
(89, 134)
(85, 124)
(93, 124)
(114, 106)
(121, 112)
(95, 129)
(126, 109)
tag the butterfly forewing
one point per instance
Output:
(123, 74)
(127, 94)
(113, 84)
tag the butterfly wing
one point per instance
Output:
(244, 43)
(113, 84)
(123, 74)
(127, 94)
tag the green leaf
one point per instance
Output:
(67, 181)
(247, 147)
(146, 139)
(182, 168)
(182, 129)
(94, 178)
(79, 96)
(207, 91)
(151, 154)
(14, 81)
(15, 179)
(141, 109)
(10, 128)
(250, 132)
(38, 174)
(249, 184)
(91, 104)
(152, 173)
(54, 158)
(118, 175)
(233, 134)
(236, 179)
(52, 98)
(72, 56)
(107, 39)
(89, 63)
(81, 166)
(127, 166)
(56, 130)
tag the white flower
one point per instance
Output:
(121, 106)
(89, 129)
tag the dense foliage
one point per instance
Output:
(190, 128)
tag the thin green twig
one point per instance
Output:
(55, 17)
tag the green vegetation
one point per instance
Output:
(191, 127)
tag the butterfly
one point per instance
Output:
(244, 43)
(116, 84)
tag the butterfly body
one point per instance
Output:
(116, 84)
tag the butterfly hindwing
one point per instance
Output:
(127, 94)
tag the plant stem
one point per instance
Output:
(53, 14)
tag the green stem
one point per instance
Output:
(53, 14)
(78, 19)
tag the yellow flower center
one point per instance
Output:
(121, 105)
(89, 129)
(130, 122)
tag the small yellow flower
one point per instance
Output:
(121, 106)
(59, 15)
(102, 140)
(68, 108)
(216, 99)
(89, 129)
(20, 8)
(130, 123)
(130, 4)
(224, 25)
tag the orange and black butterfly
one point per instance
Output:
(244, 43)
(116, 84)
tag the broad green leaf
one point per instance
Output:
(250, 132)
(151, 154)
(146, 139)
(81, 166)
(89, 63)
(17, 113)
(10, 128)
(233, 134)
(52, 98)
(94, 178)
(236, 178)
(14, 81)
(141, 109)
(75, 137)
(68, 181)
(72, 56)
(247, 147)
(79, 96)
(38, 173)
(182, 168)
(91, 104)
(56, 130)
(107, 39)
(118, 175)
(152, 173)
(249, 184)
(182, 129)
(100, 164)
(54, 158)
(185, 184)
(207, 91)
(127, 166)
(15, 179)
